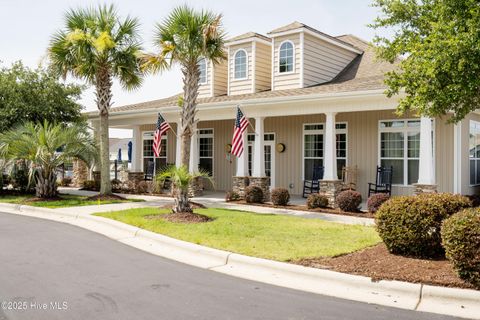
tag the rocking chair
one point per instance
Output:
(383, 181)
(313, 186)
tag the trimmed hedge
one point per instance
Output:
(376, 200)
(253, 194)
(91, 185)
(461, 240)
(349, 200)
(280, 197)
(232, 196)
(316, 200)
(410, 225)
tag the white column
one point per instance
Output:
(425, 168)
(136, 150)
(178, 148)
(330, 151)
(194, 156)
(242, 161)
(258, 149)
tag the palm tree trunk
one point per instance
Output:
(191, 75)
(46, 184)
(181, 204)
(104, 98)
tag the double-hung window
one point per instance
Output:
(202, 66)
(205, 148)
(148, 156)
(400, 149)
(474, 153)
(313, 147)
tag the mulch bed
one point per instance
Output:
(102, 197)
(304, 208)
(181, 217)
(379, 264)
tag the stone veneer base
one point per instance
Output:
(424, 188)
(136, 176)
(240, 184)
(330, 189)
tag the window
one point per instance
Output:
(474, 152)
(313, 144)
(400, 148)
(286, 54)
(205, 148)
(148, 156)
(202, 66)
(267, 137)
(240, 66)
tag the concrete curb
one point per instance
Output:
(449, 301)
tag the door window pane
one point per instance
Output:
(309, 165)
(397, 176)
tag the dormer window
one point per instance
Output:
(286, 55)
(202, 66)
(240, 66)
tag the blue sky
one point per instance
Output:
(26, 28)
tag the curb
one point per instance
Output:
(449, 301)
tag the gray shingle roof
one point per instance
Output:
(249, 35)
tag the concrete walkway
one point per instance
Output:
(211, 200)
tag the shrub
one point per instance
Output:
(19, 178)
(128, 186)
(410, 225)
(316, 200)
(232, 196)
(349, 200)
(461, 240)
(376, 200)
(65, 182)
(475, 199)
(116, 185)
(253, 194)
(280, 197)
(91, 185)
(142, 186)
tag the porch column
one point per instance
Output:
(95, 125)
(330, 153)
(136, 149)
(426, 174)
(259, 179)
(194, 159)
(178, 148)
(241, 179)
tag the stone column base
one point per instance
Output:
(196, 188)
(424, 188)
(264, 184)
(330, 189)
(80, 173)
(136, 176)
(239, 185)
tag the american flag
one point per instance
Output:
(241, 124)
(162, 127)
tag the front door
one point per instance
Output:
(269, 151)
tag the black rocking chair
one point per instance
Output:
(313, 186)
(383, 182)
(149, 173)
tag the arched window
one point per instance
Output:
(202, 65)
(240, 67)
(286, 54)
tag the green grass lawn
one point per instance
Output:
(65, 201)
(275, 237)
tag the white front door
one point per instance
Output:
(269, 150)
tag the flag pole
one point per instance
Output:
(247, 119)
(170, 126)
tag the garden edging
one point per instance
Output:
(449, 301)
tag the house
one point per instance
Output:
(313, 100)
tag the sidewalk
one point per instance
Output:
(211, 200)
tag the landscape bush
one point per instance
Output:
(461, 240)
(232, 196)
(142, 187)
(253, 194)
(410, 225)
(316, 200)
(349, 200)
(91, 185)
(19, 178)
(376, 200)
(280, 196)
(116, 185)
(65, 182)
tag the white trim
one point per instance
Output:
(322, 132)
(254, 58)
(457, 158)
(293, 56)
(228, 71)
(212, 80)
(273, 65)
(206, 135)
(470, 184)
(302, 46)
(246, 64)
(164, 137)
(315, 34)
(251, 39)
(206, 72)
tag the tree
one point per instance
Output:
(45, 147)
(437, 43)
(97, 46)
(181, 179)
(36, 95)
(183, 38)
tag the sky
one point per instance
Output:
(27, 26)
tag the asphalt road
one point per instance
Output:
(58, 271)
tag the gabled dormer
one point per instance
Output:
(303, 56)
(249, 63)
(213, 79)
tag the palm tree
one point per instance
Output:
(185, 37)
(97, 46)
(45, 147)
(181, 179)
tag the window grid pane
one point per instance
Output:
(240, 68)
(286, 57)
